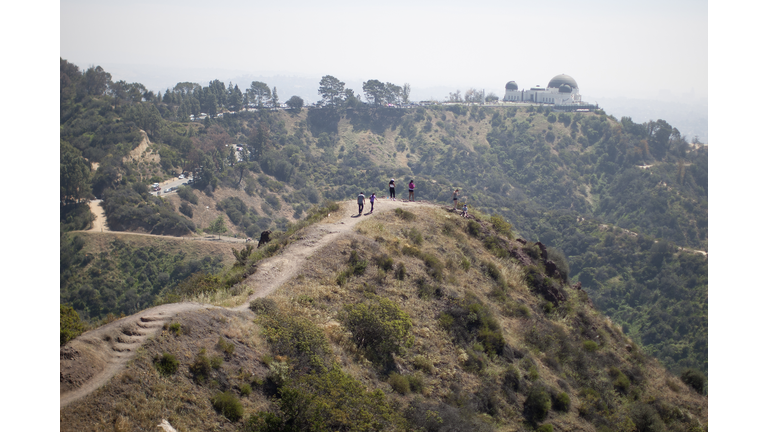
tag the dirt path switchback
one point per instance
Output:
(93, 358)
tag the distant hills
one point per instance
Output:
(616, 199)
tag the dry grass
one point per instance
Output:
(140, 397)
(97, 242)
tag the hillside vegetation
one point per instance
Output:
(420, 320)
(617, 199)
(114, 274)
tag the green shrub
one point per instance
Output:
(532, 250)
(501, 226)
(473, 228)
(445, 320)
(561, 402)
(694, 379)
(357, 266)
(399, 383)
(590, 346)
(166, 364)
(400, 271)
(416, 382)
(493, 271)
(471, 322)
(273, 201)
(199, 283)
(426, 290)
(414, 235)
(434, 265)
(537, 404)
(329, 401)
(385, 262)
(245, 389)
(620, 381)
(545, 428)
(225, 346)
(548, 307)
(186, 210)
(423, 363)
(216, 362)
(645, 418)
(405, 214)
(201, 367)
(511, 378)
(496, 245)
(465, 264)
(175, 328)
(70, 325)
(298, 338)
(263, 306)
(187, 193)
(516, 309)
(378, 326)
(228, 405)
(341, 278)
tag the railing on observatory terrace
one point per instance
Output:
(576, 107)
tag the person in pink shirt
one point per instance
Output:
(411, 187)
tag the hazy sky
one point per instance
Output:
(611, 48)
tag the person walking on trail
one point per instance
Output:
(465, 211)
(373, 198)
(411, 187)
(360, 203)
(456, 199)
(392, 189)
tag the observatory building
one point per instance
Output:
(561, 90)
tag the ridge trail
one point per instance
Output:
(93, 358)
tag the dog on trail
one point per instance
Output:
(264, 238)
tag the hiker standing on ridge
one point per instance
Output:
(456, 198)
(392, 189)
(411, 187)
(360, 203)
(373, 198)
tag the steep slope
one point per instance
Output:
(417, 318)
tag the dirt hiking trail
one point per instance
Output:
(93, 358)
(100, 223)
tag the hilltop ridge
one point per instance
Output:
(476, 329)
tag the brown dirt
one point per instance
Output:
(140, 153)
(100, 223)
(92, 359)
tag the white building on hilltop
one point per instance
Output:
(561, 90)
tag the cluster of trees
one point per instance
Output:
(471, 96)
(131, 207)
(378, 93)
(334, 94)
(123, 278)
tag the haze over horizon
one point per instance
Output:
(616, 52)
